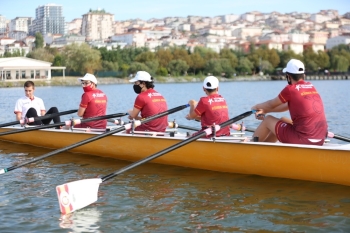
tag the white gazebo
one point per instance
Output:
(17, 68)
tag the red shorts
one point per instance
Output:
(286, 134)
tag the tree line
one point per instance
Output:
(177, 61)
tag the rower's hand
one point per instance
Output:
(259, 114)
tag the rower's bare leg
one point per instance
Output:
(266, 130)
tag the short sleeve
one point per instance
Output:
(18, 106)
(139, 102)
(200, 108)
(84, 101)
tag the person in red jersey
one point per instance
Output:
(211, 109)
(93, 103)
(308, 123)
(148, 103)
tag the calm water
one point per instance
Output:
(160, 198)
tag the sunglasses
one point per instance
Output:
(85, 83)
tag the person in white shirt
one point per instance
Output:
(33, 106)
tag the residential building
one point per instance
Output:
(136, 39)
(18, 35)
(67, 40)
(17, 46)
(335, 41)
(229, 18)
(298, 48)
(74, 27)
(97, 25)
(21, 24)
(48, 19)
(247, 32)
(319, 18)
(3, 24)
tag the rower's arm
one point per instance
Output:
(81, 111)
(134, 114)
(273, 105)
(18, 116)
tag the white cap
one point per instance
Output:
(141, 76)
(88, 77)
(210, 82)
(294, 66)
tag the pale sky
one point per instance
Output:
(147, 9)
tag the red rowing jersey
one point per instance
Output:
(150, 103)
(306, 109)
(213, 110)
(95, 104)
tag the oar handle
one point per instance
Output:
(67, 123)
(343, 138)
(47, 116)
(174, 147)
(32, 119)
(95, 138)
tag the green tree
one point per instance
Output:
(340, 63)
(81, 58)
(177, 67)
(39, 41)
(228, 54)
(137, 66)
(110, 66)
(197, 62)
(244, 65)
(41, 54)
(164, 56)
(145, 57)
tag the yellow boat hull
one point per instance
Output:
(329, 163)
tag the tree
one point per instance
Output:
(164, 56)
(244, 65)
(41, 54)
(81, 58)
(137, 66)
(177, 67)
(340, 63)
(196, 62)
(226, 53)
(110, 66)
(39, 40)
(145, 57)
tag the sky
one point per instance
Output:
(147, 9)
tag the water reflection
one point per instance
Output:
(85, 220)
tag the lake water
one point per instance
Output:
(162, 198)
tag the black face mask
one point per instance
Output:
(137, 89)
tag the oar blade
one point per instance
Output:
(77, 194)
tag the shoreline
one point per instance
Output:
(72, 81)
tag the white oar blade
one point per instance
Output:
(77, 194)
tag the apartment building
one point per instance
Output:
(335, 41)
(21, 24)
(48, 19)
(97, 25)
(136, 39)
(3, 24)
(74, 27)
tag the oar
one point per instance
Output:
(66, 123)
(332, 135)
(32, 119)
(237, 127)
(113, 131)
(78, 194)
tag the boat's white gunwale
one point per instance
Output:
(327, 146)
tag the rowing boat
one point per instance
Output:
(328, 163)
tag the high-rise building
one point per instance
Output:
(3, 24)
(48, 19)
(97, 25)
